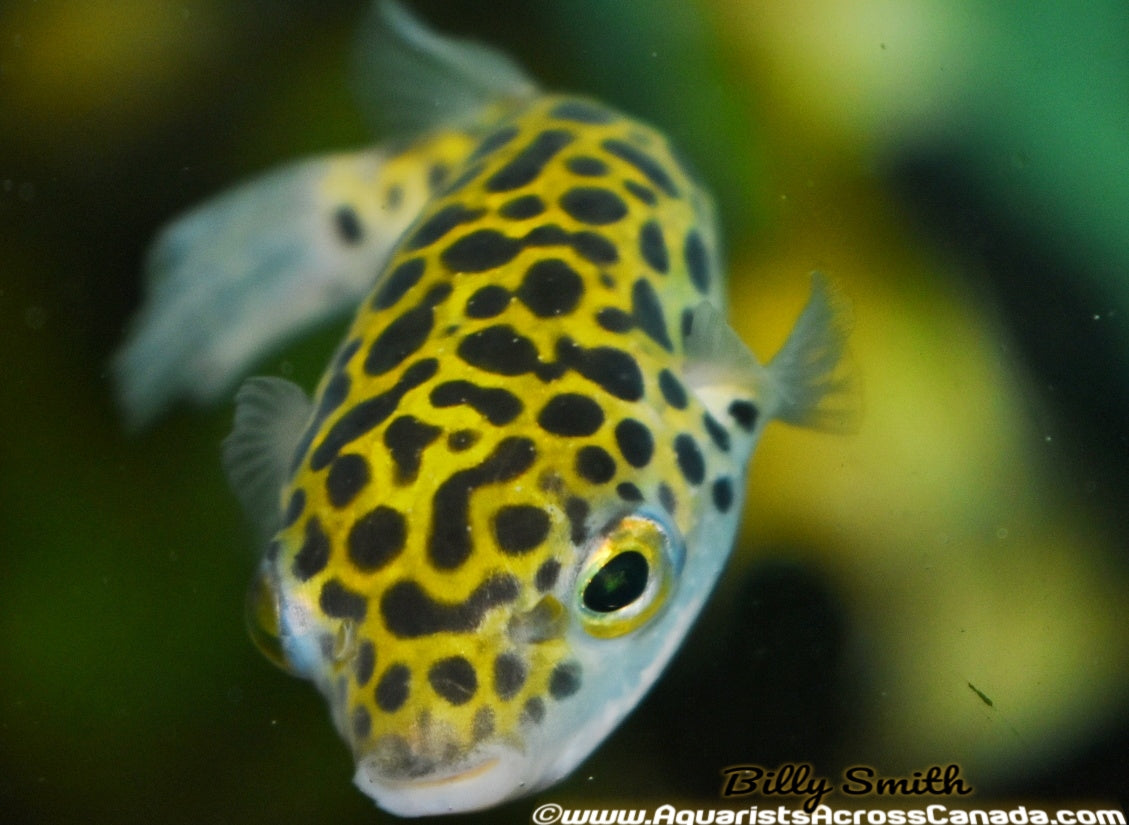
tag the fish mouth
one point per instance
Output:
(479, 781)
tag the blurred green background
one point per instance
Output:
(962, 171)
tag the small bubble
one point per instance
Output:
(1001, 533)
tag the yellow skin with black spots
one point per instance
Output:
(522, 473)
(425, 726)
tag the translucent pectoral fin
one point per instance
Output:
(810, 382)
(813, 376)
(238, 276)
(270, 416)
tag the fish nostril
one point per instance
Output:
(546, 620)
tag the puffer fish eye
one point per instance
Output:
(628, 577)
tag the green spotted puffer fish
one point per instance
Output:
(522, 472)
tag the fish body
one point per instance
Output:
(522, 472)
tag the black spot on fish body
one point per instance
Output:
(509, 675)
(362, 723)
(454, 679)
(672, 390)
(494, 141)
(595, 248)
(501, 350)
(547, 234)
(687, 323)
(614, 370)
(534, 710)
(339, 602)
(441, 223)
(364, 663)
(667, 498)
(644, 163)
(406, 438)
(614, 319)
(546, 577)
(586, 166)
(449, 542)
(594, 464)
(398, 282)
(629, 492)
(718, 434)
(591, 246)
(294, 507)
(461, 440)
(436, 176)
(335, 393)
(640, 191)
(571, 414)
(367, 414)
(579, 111)
(697, 261)
(348, 225)
(550, 288)
(593, 205)
(348, 475)
(497, 405)
(577, 510)
(647, 311)
(722, 494)
(635, 442)
(399, 339)
(524, 168)
(410, 613)
(652, 247)
(393, 197)
(480, 251)
(745, 414)
(522, 208)
(690, 460)
(488, 302)
(313, 555)
(393, 687)
(519, 528)
(564, 681)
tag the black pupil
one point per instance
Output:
(617, 584)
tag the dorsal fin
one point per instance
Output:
(270, 417)
(408, 78)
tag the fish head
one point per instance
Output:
(481, 650)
